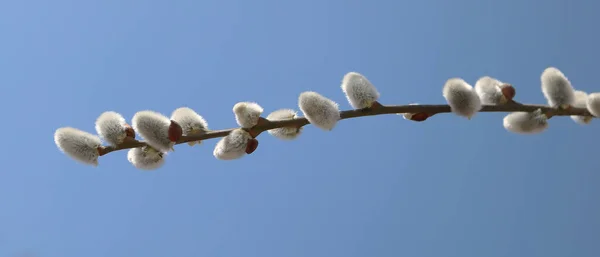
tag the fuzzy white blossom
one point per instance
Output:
(593, 104)
(581, 102)
(232, 146)
(286, 133)
(557, 89)
(360, 92)
(247, 114)
(79, 145)
(112, 127)
(489, 91)
(461, 97)
(320, 111)
(146, 158)
(191, 123)
(156, 129)
(526, 122)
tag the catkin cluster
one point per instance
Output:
(161, 133)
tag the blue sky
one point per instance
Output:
(378, 186)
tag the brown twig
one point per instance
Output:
(349, 114)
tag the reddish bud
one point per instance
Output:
(508, 91)
(419, 116)
(101, 150)
(175, 131)
(129, 131)
(251, 146)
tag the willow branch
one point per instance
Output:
(349, 114)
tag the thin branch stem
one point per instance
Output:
(349, 114)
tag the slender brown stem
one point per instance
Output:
(349, 114)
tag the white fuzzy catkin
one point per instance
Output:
(247, 114)
(581, 102)
(489, 91)
(286, 133)
(360, 92)
(232, 146)
(557, 89)
(593, 104)
(145, 158)
(461, 97)
(154, 128)
(77, 144)
(526, 122)
(320, 111)
(190, 122)
(110, 126)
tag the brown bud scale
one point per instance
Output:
(508, 91)
(419, 116)
(175, 131)
(129, 131)
(251, 146)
